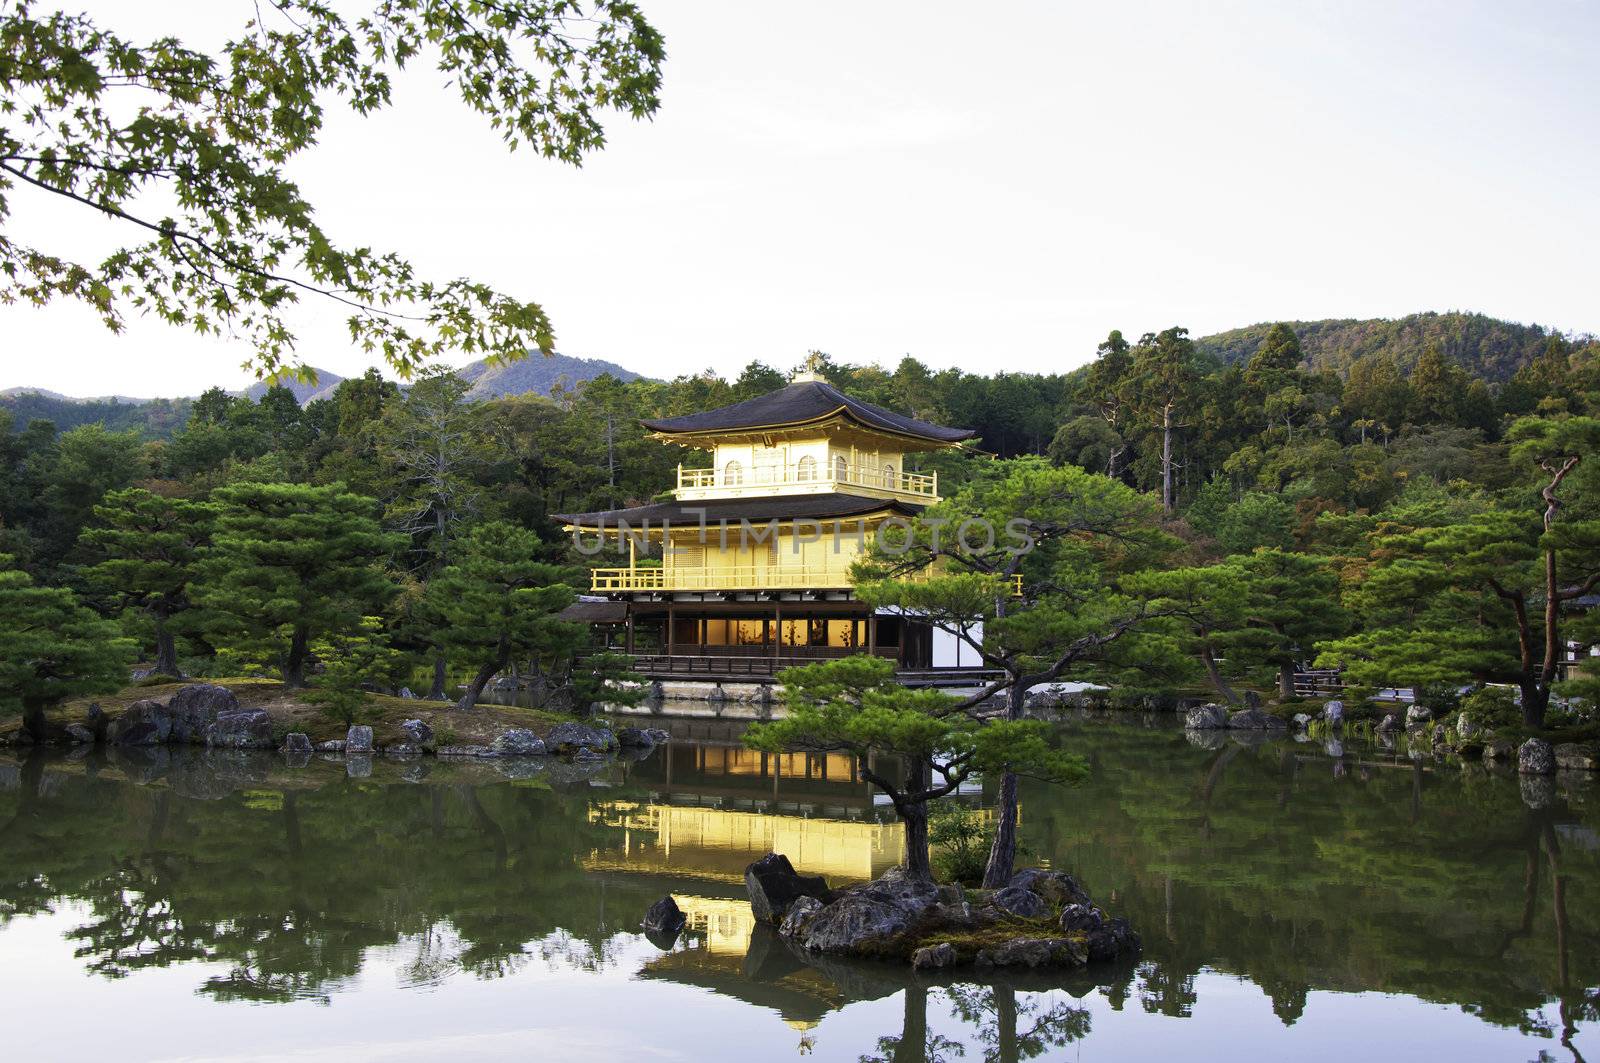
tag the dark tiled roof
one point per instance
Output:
(714, 511)
(595, 612)
(809, 400)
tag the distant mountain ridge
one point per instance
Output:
(1483, 345)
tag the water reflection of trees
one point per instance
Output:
(1275, 863)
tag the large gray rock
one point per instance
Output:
(464, 751)
(417, 732)
(664, 918)
(871, 917)
(519, 742)
(1333, 712)
(79, 735)
(773, 885)
(1111, 941)
(144, 723)
(1056, 887)
(240, 729)
(358, 742)
(195, 707)
(1020, 902)
(934, 957)
(1255, 720)
(1578, 756)
(1034, 953)
(567, 738)
(1390, 723)
(1466, 728)
(1206, 718)
(1081, 919)
(297, 742)
(1535, 757)
(1302, 719)
(642, 737)
(1418, 716)
(799, 916)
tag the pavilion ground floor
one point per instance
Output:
(755, 636)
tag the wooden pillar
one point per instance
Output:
(671, 626)
(628, 638)
(872, 634)
(777, 627)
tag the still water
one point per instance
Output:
(1294, 904)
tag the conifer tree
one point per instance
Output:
(290, 563)
(148, 545)
(497, 602)
(855, 706)
(52, 648)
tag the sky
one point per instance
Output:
(988, 188)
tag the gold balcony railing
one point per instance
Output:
(822, 475)
(732, 578)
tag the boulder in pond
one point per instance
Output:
(417, 732)
(871, 918)
(1333, 712)
(297, 742)
(1302, 719)
(773, 885)
(79, 735)
(1081, 919)
(1466, 728)
(195, 707)
(1578, 756)
(358, 741)
(1020, 902)
(566, 739)
(1390, 723)
(333, 745)
(240, 729)
(1111, 941)
(1056, 887)
(1254, 720)
(519, 742)
(1206, 718)
(144, 723)
(664, 918)
(799, 916)
(935, 957)
(642, 737)
(1418, 716)
(1034, 953)
(464, 751)
(1536, 757)
(1499, 749)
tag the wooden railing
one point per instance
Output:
(732, 578)
(822, 475)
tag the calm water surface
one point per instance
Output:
(1293, 904)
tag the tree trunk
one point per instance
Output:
(1552, 627)
(294, 666)
(436, 692)
(913, 1044)
(1005, 1015)
(1003, 853)
(166, 649)
(1214, 673)
(33, 721)
(1535, 699)
(1166, 460)
(1286, 679)
(915, 816)
(479, 681)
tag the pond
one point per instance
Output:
(1293, 904)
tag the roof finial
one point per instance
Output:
(811, 369)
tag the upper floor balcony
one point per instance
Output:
(807, 476)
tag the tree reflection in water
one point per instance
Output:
(1269, 862)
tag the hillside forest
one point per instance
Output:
(1415, 502)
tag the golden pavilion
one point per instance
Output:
(746, 569)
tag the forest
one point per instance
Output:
(1397, 515)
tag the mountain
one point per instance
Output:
(536, 374)
(303, 393)
(157, 418)
(1484, 346)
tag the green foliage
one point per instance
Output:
(52, 648)
(288, 564)
(1257, 520)
(959, 838)
(1492, 707)
(352, 661)
(114, 125)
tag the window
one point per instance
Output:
(841, 468)
(808, 468)
(888, 476)
(733, 473)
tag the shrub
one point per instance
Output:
(960, 839)
(350, 662)
(1492, 707)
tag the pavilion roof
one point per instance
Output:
(801, 403)
(716, 511)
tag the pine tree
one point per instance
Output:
(855, 706)
(1291, 605)
(497, 603)
(290, 563)
(148, 545)
(52, 648)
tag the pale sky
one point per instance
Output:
(990, 188)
